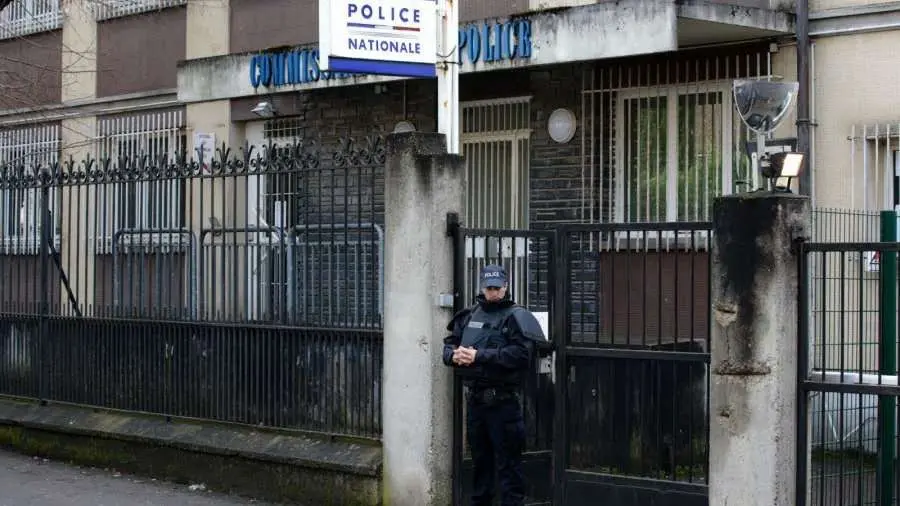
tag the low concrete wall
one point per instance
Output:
(272, 466)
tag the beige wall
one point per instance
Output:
(79, 55)
(855, 83)
(208, 35)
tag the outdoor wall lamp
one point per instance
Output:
(781, 168)
(264, 110)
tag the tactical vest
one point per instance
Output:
(486, 330)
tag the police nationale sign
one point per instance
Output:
(385, 37)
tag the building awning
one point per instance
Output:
(575, 34)
(718, 22)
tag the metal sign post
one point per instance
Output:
(448, 73)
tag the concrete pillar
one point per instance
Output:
(422, 184)
(78, 217)
(753, 387)
(79, 51)
(225, 199)
(208, 35)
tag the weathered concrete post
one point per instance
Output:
(752, 447)
(422, 184)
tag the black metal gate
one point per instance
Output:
(620, 414)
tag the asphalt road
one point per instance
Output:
(29, 481)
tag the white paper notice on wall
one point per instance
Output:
(543, 318)
(205, 145)
(544, 365)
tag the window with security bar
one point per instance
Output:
(673, 154)
(23, 17)
(317, 207)
(23, 151)
(496, 143)
(108, 9)
(661, 138)
(142, 203)
(281, 195)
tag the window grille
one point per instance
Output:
(108, 9)
(673, 151)
(319, 255)
(147, 207)
(22, 151)
(24, 17)
(496, 139)
(660, 138)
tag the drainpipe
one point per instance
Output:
(803, 121)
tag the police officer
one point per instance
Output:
(493, 344)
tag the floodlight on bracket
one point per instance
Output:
(763, 105)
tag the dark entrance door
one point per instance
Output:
(621, 415)
(527, 256)
(632, 357)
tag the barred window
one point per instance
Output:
(674, 152)
(139, 143)
(661, 138)
(107, 9)
(23, 151)
(23, 17)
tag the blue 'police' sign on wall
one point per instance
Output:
(478, 42)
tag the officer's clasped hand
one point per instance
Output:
(464, 355)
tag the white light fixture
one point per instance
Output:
(561, 125)
(790, 167)
(264, 110)
(404, 127)
(781, 168)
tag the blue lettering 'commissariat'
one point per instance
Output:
(478, 42)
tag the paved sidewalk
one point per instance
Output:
(29, 481)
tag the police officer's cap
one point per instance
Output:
(493, 276)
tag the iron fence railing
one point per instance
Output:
(247, 288)
(831, 224)
(847, 365)
(844, 337)
(321, 380)
(841, 285)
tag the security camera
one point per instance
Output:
(763, 104)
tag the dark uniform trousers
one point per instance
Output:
(496, 434)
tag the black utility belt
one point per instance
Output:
(490, 395)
